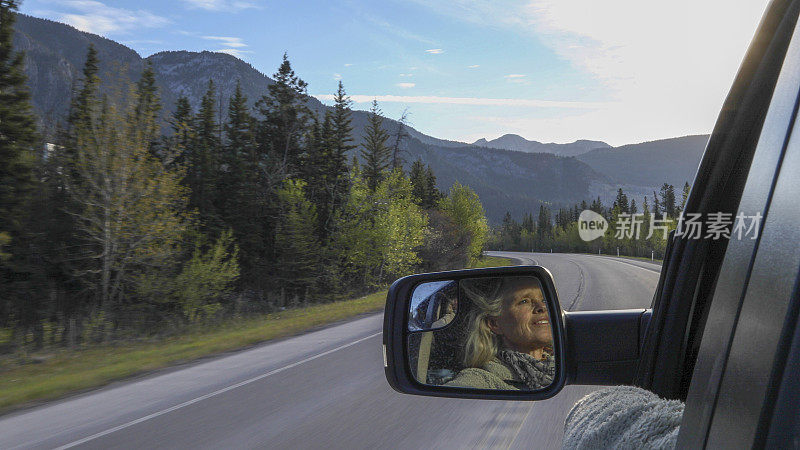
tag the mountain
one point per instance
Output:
(55, 53)
(674, 161)
(513, 181)
(520, 144)
(505, 180)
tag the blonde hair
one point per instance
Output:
(486, 296)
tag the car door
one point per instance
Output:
(740, 388)
(701, 276)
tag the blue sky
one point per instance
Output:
(621, 71)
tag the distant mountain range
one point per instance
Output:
(520, 144)
(509, 173)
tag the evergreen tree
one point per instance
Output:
(668, 199)
(320, 182)
(423, 181)
(544, 224)
(182, 125)
(18, 184)
(17, 130)
(399, 136)
(375, 153)
(657, 208)
(285, 118)
(204, 166)
(338, 171)
(297, 249)
(528, 224)
(240, 201)
(144, 119)
(622, 202)
(633, 209)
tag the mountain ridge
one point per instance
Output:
(505, 179)
(518, 143)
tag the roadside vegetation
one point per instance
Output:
(52, 373)
(132, 223)
(657, 216)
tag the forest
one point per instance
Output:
(132, 224)
(631, 232)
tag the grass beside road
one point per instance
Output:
(68, 371)
(493, 261)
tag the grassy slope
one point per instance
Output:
(67, 372)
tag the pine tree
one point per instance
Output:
(423, 181)
(82, 112)
(285, 118)
(182, 125)
(622, 201)
(144, 119)
(297, 248)
(18, 184)
(342, 144)
(375, 153)
(528, 224)
(17, 130)
(417, 177)
(240, 200)
(657, 207)
(633, 209)
(399, 136)
(668, 200)
(203, 170)
(544, 224)
(316, 168)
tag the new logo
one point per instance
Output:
(591, 225)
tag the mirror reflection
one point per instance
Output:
(433, 305)
(485, 333)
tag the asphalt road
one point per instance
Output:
(323, 389)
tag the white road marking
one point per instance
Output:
(212, 394)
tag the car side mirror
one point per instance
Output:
(493, 333)
(480, 333)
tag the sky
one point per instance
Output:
(619, 71)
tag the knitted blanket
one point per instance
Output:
(623, 417)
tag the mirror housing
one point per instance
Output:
(396, 330)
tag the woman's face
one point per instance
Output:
(524, 324)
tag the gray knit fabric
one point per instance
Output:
(623, 417)
(535, 373)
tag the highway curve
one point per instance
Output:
(323, 389)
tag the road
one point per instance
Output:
(323, 389)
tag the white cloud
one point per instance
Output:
(96, 17)
(337, 76)
(666, 66)
(227, 41)
(434, 51)
(231, 45)
(405, 85)
(348, 64)
(474, 66)
(516, 78)
(234, 52)
(406, 74)
(221, 5)
(474, 101)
